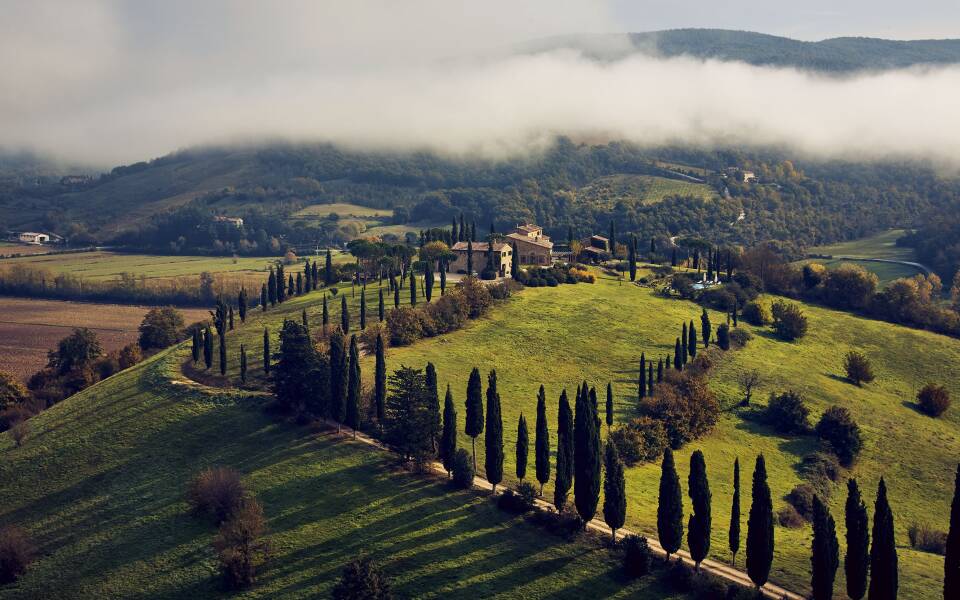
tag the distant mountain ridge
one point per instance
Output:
(842, 54)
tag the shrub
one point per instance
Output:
(367, 338)
(12, 391)
(685, 406)
(707, 587)
(462, 469)
(933, 399)
(19, 432)
(787, 413)
(820, 469)
(723, 336)
(16, 553)
(500, 291)
(240, 550)
(858, 368)
(789, 517)
(925, 538)
(129, 355)
(404, 325)
(161, 327)
(450, 312)
(801, 498)
(641, 440)
(217, 492)
(488, 274)
(740, 337)
(636, 555)
(567, 524)
(679, 576)
(838, 429)
(756, 313)
(517, 502)
(362, 580)
(477, 296)
(789, 322)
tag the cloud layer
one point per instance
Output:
(110, 83)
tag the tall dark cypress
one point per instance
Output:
(381, 311)
(298, 288)
(243, 363)
(453, 230)
(692, 340)
(195, 345)
(523, 448)
(609, 407)
(564, 478)
(469, 258)
(493, 440)
(642, 382)
(824, 552)
(263, 297)
(760, 527)
(326, 314)
(363, 309)
(705, 328)
(413, 288)
(660, 371)
(669, 506)
(443, 277)
(677, 356)
(353, 388)
(380, 382)
(428, 281)
(230, 317)
(242, 304)
(396, 296)
(207, 347)
(462, 232)
(223, 353)
(650, 378)
(305, 321)
(684, 355)
(514, 259)
(433, 407)
(306, 275)
(856, 563)
(632, 261)
(474, 404)
(884, 579)
(613, 238)
(266, 351)
(448, 439)
(951, 560)
(338, 377)
(315, 276)
(733, 534)
(542, 441)
(586, 456)
(700, 523)
(328, 278)
(344, 316)
(272, 287)
(614, 494)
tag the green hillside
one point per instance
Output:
(606, 192)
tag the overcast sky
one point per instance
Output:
(111, 82)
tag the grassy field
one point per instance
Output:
(882, 245)
(643, 189)
(342, 209)
(31, 327)
(100, 484)
(885, 272)
(12, 248)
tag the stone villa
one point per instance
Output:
(502, 260)
(534, 247)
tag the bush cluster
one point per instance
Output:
(636, 555)
(841, 434)
(217, 492)
(684, 405)
(469, 300)
(641, 440)
(462, 470)
(787, 413)
(933, 399)
(16, 553)
(925, 538)
(552, 276)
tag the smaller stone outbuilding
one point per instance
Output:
(502, 259)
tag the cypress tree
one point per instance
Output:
(856, 563)
(305, 321)
(609, 407)
(883, 552)
(315, 275)
(684, 355)
(195, 345)
(448, 439)
(434, 405)
(223, 354)
(951, 560)
(306, 275)
(207, 347)
(363, 309)
(653, 247)
(413, 288)
(453, 230)
(632, 260)
(339, 362)
(692, 340)
(668, 362)
(299, 284)
(493, 460)
(542, 441)
(650, 378)
(760, 527)
(613, 238)
(242, 304)
(473, 231)
(660, 371)
(474, 403)
(705, 328)
(586, 456)
(443, 277)
(428, 282)
(825, 552)
(272, 287)
(381, 311)
(396, 296)
(380, 382)
(642, 383)
(669, 506)
(723, 336)
(462, 233)
(469, 258)
(263, 297)
(328, 269)
(353, 388)
(614, 495)
(326, 315)
(700, 523)
(266, 351)
(564, 478)
(243, 363)
(344, 316)
(515, 260)
(733, 536)
(677, 356)
(523, 448)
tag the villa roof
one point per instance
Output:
(522, 238)
(480, 246)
